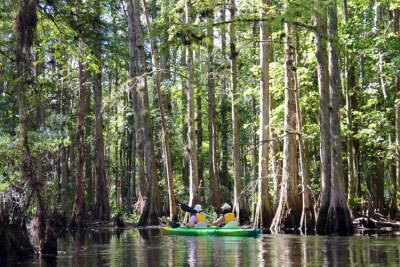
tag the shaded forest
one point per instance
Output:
(122, 109)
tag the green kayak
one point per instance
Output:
(216, 231)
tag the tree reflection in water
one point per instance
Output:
(147, 247)
(150, 255)
(78, 243)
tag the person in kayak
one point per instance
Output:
(197, 219)
(226, 217)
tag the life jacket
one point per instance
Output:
(200, 217)
(229, 217)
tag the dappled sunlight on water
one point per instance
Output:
(133, 247)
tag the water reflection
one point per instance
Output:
(147, 247)
(78, 244)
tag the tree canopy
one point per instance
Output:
(203, 109)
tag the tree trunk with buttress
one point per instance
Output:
(239, 207)
(167, 157)
(26, 21)
(102, 205)
(215, 198)
(194, 190)
(136, 113)
(289, 210)
(151, 210)
(263, 217)
(321, 41)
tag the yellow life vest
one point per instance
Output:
(229, 217)
(200, 217)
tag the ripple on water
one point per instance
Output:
(133, 247)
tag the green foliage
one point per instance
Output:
(131, 217)
(8, 157)
(62, 40)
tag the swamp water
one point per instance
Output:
(147, 247)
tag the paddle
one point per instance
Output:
(187, 208)
(174, 224)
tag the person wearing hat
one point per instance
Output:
(226, 217)
(197, 217)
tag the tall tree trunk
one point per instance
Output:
(63, 156)
(78, 209)
(132, 167)
(63, 180)
(224, 110)
(356, 125)
(396, 196)
(40, 119)
(396, 165)
(254, 158)
(350, 92)
(289, 210)
(378, 25)
(118, 173)
(375, 188)
(136, 113)
(102, 205)
(88, 151)
(40, 128)
(199, 135)
(276, 160)
(238, 203)
(349, 84)
(215, 198)
(26, 21)
(167, 157)
(264, 216)
(164, 61)
(151, 210)
(324, 120)
(71, 148)
(131, 151)
(351, 87)
(339, 221)
(378, 180)
(185, 153)
(308, 215)
(194, 192)
(254, 135)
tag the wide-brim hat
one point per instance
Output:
(226, 206)
(198, 207)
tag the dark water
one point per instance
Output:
(135, 247)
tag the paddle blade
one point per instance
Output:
(173, 224)
(186, 208)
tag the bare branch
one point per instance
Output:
(10, 58)
(7, 93)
